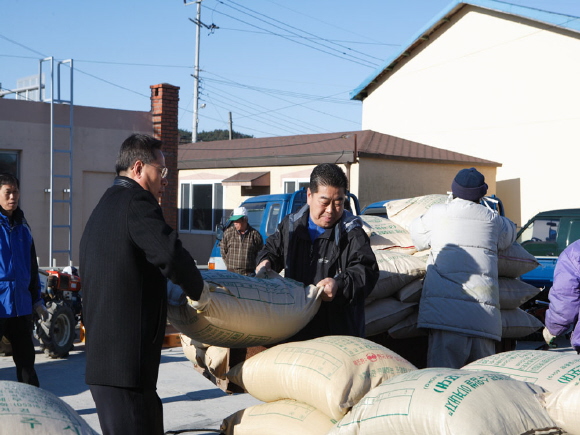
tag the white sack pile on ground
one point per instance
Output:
(550, 370)
(451, 402)
(564, 405)
(330, 373)
(238, 311)
(392, 305)
(26, 409)
(281, 417)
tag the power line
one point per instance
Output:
(300, 30)
(366, 63)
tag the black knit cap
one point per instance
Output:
(469, 184)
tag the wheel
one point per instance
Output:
(57, 334)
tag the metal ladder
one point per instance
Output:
(61, 157)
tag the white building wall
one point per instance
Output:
(495, 87)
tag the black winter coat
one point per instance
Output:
(343, 253)
(126, 253)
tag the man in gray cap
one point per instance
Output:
(460, 300)
(240, 244)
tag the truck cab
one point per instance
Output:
(265, 212)
(545, 236)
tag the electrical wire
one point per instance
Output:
(366, 63)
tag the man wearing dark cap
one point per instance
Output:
(460, 300)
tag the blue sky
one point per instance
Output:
(297, 83)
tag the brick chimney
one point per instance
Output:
(164, 105)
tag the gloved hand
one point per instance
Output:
(549, 338)
(264, 270)
(41, 310)
(204, 298)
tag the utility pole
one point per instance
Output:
(231, 127)
(198, 23)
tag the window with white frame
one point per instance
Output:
(291, 185)
(9, 163)
(201, 206)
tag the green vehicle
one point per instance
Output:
(545, 236)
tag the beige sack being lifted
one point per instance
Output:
(26, 409)
(329, 373)
(441, 401)
(240, 311)
(281, 417)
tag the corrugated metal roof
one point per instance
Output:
(248, 179)
(314, 149)
(563, 21)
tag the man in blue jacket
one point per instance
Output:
(19, 286)
(565, 297)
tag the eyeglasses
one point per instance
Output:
(163, 169)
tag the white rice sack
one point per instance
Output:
(395, 271)
(385, 234)
(382, 314)
(239, 311)
(25, 409)
(329, 373)
(212, 358)
(517, 323)
(513, 292)
(404, 211)
(451, 402)
(550, 370)
(281, 417)
(564, 406)
(411, 292)
(407, 328)
(515, 261)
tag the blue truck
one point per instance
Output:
(545, 236)
(265, 212)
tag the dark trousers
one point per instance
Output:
(126, 411)
(18, 330)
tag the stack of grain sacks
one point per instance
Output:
(308, 386)
(392, 306)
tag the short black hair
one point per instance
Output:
(137, 147)
(327, 174)
(6, 178)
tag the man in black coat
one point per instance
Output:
(127, 253)
(325, 245)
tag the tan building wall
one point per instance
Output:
(499, 88)
(200, 243)
(98, 133)
(383, 179)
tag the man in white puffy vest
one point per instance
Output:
(460, 300)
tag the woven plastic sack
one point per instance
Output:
(329, 373)
(450, 402)
(513, 292)
(517, 323)
(564, 405)
(212, 358)
(550, 370)
(281, 417)
(411, 292)
(386, 234)
(238, 311)
(407, 328)
(404, 211)
(395, 271)
(382, 314)
(25, 409)
(515, 261)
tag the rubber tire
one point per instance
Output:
(61, 331)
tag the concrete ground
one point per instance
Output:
(190, 401)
